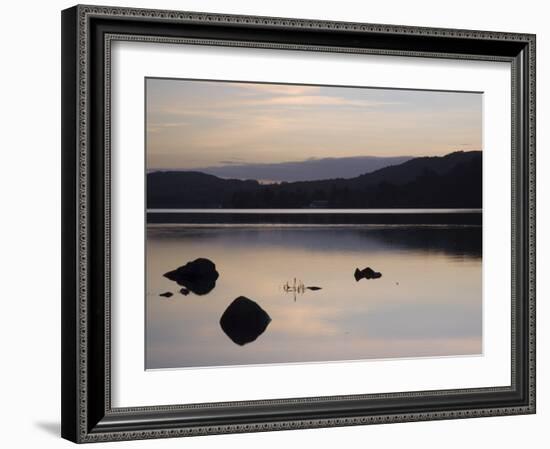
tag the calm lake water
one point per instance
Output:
(428, 301)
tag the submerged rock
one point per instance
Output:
(367, 273)
(198, 276)
(166, 294)
(313, 288)
(244, 321)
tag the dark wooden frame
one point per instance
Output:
(87, 32)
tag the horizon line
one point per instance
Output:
(244, 164)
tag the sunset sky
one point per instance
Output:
(193, 125)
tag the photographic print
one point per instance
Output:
(308, 223)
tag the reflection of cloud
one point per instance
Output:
(420, 320)
(459, 243)
(305, 320)
(434, 311)
(361, 348)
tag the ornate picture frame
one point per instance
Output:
(87, 35)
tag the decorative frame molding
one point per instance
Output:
(88, 32)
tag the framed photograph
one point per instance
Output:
(274, 224)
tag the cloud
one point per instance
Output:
(261, 97)
(276, 89)
(160, 126)
(306, 320)
(313, 100)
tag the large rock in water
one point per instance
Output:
(198, 276)
(244, 321)
(367, 273)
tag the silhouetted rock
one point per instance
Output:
(166, 294)
(184, 291)
(198, 276)
(313, 288)
(367, 273)
(243, 321)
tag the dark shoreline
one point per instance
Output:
(314, 218)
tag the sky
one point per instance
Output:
(217, 126)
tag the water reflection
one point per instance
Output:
(428, 301)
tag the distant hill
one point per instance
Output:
(323, 168)
(192, 189)
(451, 181)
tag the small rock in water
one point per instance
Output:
(166, 294)
(313, 288)
(184, 291)
(367, 273)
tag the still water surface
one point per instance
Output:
(428, 301)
